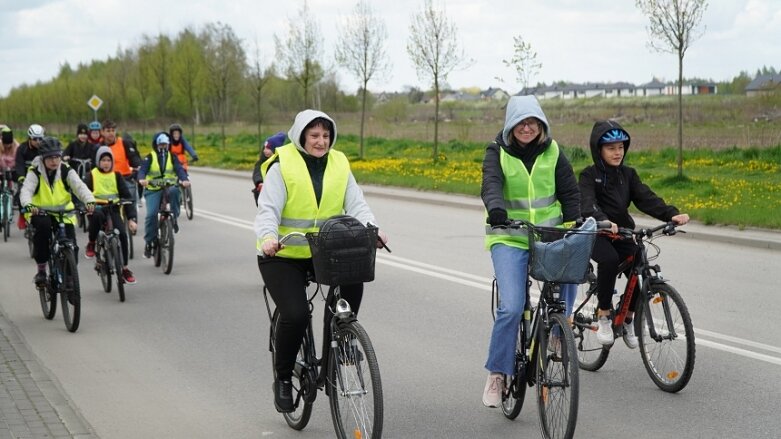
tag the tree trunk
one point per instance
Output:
(363, 120)
(436, 119)
(680, 115)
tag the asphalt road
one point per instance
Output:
(186, 356)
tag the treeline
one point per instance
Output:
(195, 77)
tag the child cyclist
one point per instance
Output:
(107, 184)
(47, 185)
(607, 188)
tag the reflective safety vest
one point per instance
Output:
(301, 212)
(528, 196)
(121, 162)
(156, 172)
(104, 185)
(54, 197)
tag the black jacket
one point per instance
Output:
(606, 191)
(83, 151)
(493, 178)
(24, 156)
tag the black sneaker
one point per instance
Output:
(40, 278)
(283, 396)
(176, 226)
(148, 250)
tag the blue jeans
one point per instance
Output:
(153, 206)
(510, 269)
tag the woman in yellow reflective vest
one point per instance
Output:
(525, 176)
(48, 184)
(304, 183)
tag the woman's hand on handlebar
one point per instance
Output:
(271, 246)
(382, 239)
(680, 219)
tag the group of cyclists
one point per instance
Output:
(97, 165)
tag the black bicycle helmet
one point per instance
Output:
(175, 127)
(50, 146)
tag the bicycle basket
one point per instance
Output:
(564, 260)
(343, 251)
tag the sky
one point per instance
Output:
(575, 40)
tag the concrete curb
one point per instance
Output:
(748, 237)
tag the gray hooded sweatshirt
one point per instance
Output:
(274, 194)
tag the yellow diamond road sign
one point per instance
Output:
(95, 102)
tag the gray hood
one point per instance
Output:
(104, 150)
(302, 120)
(520, 108)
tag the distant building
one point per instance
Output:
(494, 94)
(763, 84)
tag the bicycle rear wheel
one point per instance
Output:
(70, 291)
(166, 247)
(116, 259)
(355, 391)
(557, 379)
(103, 265)
(513, 397)
(187, 198)
(592, 355)
(666, 335)
(304, 385)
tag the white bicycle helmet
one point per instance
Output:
(35, 131)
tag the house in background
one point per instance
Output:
(494, 94)
(763, 84)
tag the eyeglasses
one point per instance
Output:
(529, 123)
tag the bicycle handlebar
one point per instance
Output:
(163, 181)
(102, 202)
(667, 228)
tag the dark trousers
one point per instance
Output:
(286, 282)
(609, 254)
(43, 235)
(98, 219)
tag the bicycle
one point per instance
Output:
(347, 370)
(83, 167)
(545, 355)
(187, 200)
(6, 203)
(163, 246)
(662, 322)
(108, 250)
(63, 276)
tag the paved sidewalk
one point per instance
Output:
(31, 403)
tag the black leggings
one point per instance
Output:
(96, 221)
(43, 235)
(286, 282)
(609, 254)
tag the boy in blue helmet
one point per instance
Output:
(606, 189)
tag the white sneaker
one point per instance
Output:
(494, 387)
(630, 339)
(605, 332)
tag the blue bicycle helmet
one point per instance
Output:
(613, 136)
(94, 126)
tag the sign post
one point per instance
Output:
(95, 102)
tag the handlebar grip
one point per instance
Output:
(604, 225)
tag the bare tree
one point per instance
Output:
(672, 28)
(299, 53)
(361, 50)
(434, 49)
(524, 61)
(257, 80)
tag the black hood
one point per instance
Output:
(600, 128)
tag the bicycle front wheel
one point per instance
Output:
(70, 291)
(103, 267)
(117, 260)
(355, 388)
(666, 335)
(166, 247)
(187, 197)
(48, 298)
(592, 355)
(557, 379)
(7, 208)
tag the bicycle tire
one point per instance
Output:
(104, 265)
(592, 355)
(557, 382)
(116, 259)
(668, 361)
(70, 290)
(304, 388)
(6, 220)
(187, 196)
(355, 385)
(166, 247)
(513, 398)
(48, 297)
